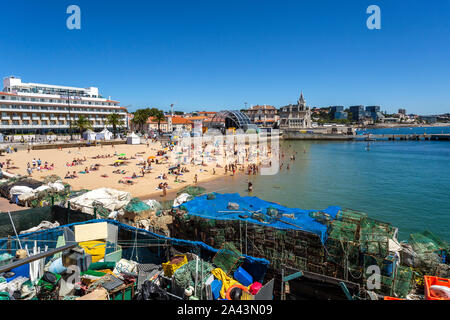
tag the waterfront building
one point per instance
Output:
(42, 108)
(391, 120)
(296, 116)
(263, 116)
(374, 112)
(358, 113)
(338, 113)
(428, 119)
(208, 114)
(170, 124)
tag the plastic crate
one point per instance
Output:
(430, 281)
(169, 268)
(243, 277)
(125, 292)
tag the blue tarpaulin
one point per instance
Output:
(217, 209)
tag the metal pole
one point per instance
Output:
(14, 227)
(39, 256)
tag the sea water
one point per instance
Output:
(405, 183)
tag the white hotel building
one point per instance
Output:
(42, 108)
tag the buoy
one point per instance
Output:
(236, 294)
(189, 291)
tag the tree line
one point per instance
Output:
(142, 115)
(112, 119)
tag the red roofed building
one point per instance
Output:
(263, 116)
(172, 123)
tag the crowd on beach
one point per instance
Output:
(38, 166)
(192, 164)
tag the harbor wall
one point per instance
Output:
(296, 135)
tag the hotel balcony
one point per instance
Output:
(44, 118)
(16, 117)
(6, 118)
(90, 112)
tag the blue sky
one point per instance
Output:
(212, 55)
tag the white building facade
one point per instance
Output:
(296, 116)
(42, 108)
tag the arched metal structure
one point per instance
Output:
(230, 119)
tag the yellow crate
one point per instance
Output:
(95, 248)
(170, 268)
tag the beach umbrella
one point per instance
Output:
(151, 157)
(122, 155)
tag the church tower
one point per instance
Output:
(301, 103)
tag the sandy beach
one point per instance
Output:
(143, 187)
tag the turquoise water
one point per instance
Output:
(406, 183)
(408, 130)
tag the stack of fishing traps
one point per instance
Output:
(354, 245)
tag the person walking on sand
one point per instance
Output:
(195, 179)
(164, 191)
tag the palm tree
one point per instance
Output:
(114, 120)
(83, 123)
(159, 116)
(140, 117)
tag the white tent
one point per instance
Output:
(104, 135)
(89, 135)
(133, 139)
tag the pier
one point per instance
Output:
(294, 135)
(404, 137)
